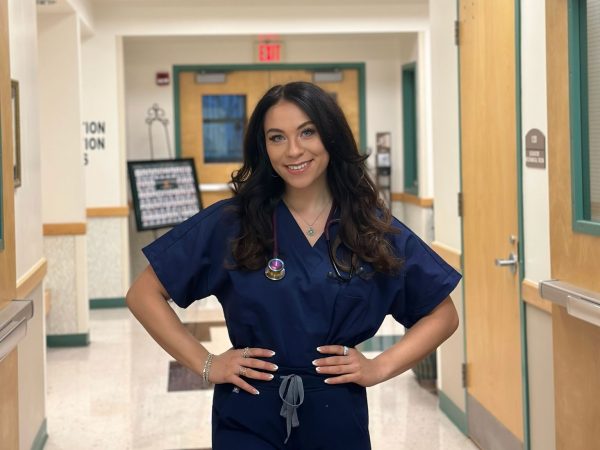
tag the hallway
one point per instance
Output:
(114, 394)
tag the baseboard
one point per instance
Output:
(68, 340)
(101, 303)
(487, 431)
(41, 437)
(456, 415)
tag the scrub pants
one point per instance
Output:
(331, 417)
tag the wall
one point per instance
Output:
(28, 218)
(104, 167)
(536, 225)
(446, 177)
(63, 183)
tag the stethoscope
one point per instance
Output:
(275, 269)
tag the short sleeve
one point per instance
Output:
(189, 258)
(425, 279)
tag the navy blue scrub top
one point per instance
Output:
(307, 308)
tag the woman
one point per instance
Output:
(306, 262)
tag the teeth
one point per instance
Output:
(298, 166)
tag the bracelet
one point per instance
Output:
(206, 370)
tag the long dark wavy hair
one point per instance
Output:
(365, 219)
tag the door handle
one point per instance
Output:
(511, 262)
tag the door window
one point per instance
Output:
(584, 61)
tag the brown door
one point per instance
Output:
(253, 84)
(575, 259)
(490, 223)
(9, 417)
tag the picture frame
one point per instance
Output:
(16, 132)
(164, 192)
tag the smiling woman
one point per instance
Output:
(343, 275)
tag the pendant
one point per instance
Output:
(275, 269)
(310, 232)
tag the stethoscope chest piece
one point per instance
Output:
(275, 269)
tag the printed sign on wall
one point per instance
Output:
(535, 149)
(94, 138)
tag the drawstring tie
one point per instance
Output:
(291, 399)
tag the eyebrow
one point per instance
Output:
(277, 130)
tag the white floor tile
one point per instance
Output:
(113, 395)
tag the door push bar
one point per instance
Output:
(13, 324)
(580, 303)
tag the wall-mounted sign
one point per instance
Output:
(269, 51)
(165, 192)
(94, 132)
(535, 149)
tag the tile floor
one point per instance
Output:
(115, 394)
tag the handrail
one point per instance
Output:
(13, 324)
(580, 303)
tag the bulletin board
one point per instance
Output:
(165, 192)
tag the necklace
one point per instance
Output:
(310, 232)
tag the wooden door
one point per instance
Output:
(346, 91)
(253, 84)
(490, 222)
(575, 259)
(9, 417)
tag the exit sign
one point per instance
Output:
(269, 52)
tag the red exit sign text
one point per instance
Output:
(269, 52)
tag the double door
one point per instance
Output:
(250, 85)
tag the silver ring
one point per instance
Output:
(345, 351)
(242, 371)
(245, 352)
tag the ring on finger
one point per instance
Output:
(345, 351)
(245, 352)
(242, 371)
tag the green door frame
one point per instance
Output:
(409, 128)
(360, 67)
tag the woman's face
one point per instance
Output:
(294, 147)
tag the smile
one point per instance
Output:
(298, 167)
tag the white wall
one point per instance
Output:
(24, 63)
(445, 120)
(100, 102)
(446, 176)
(63, 183)
(63, 193)
(28, 217)
(536, 225)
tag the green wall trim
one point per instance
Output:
(521, 229)
(41, 437)
(101, 303)
(456, 415)
(579, 117)
(360, 67)
(462, 222)
(409, 128)
(68, 340)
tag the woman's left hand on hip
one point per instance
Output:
(348, 365)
